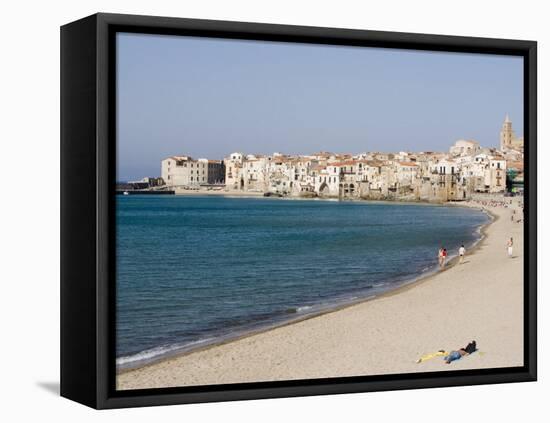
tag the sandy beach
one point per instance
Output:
(481, 299)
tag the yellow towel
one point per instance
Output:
(429, 356)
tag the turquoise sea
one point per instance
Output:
(196, 270)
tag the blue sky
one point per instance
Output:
(209, 97)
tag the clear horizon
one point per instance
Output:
(207, 97)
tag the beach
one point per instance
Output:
(481, 299)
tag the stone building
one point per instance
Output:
(484, 173)
(186, 171)
(508, 139)
(182, 171)
(216, 172)
(464, 148)
(326, 181)
(497, 174)
(406, 173)
(444, 182)
(234, 177)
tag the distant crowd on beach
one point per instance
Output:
(502, 203)
(516, 216)
(517, 209)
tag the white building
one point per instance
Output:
(234, 178)
(464, 148)
(484, 173)
(327, 181)
(445, 167)
(255, 173)
(406, 173)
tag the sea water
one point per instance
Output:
(196, 270)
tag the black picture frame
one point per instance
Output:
(87, 209)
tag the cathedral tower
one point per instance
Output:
(506, 134)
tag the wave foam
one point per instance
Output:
(151, 353)
(303, 308)
(300, 309)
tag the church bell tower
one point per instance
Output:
(506, 134)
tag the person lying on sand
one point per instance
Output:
(457, 355)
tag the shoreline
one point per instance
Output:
(410, 283)
(159, 373)
(260, 195)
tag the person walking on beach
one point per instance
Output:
(510, 247)
(461, 252)
(444, 254)
(440, 257)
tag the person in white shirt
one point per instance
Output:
(461, 253)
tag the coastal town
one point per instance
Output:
(465, 170)
(487, 272)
